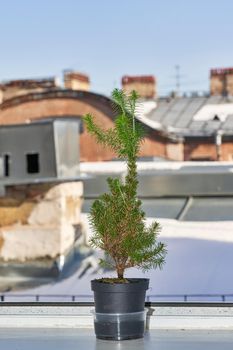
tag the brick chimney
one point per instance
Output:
(221, 81)
(21, 87)
(76, 81)
(145, 85)
(1, 94)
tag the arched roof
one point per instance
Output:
(93, 98)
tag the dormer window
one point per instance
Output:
(33, 166)
(6, 159)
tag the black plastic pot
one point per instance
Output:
(120, 309)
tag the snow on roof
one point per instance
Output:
(198, 262)
(209, 112)
(143, 109)
(190, 116)
(120, 166)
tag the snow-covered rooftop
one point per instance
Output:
(189, 116)
(198, 231)
(198, 266)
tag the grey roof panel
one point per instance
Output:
(173, 114)
(196, 183)
(156, 207)
(215, 100)
(163, 107)
(212, 125)
(163, 208)
(210, 209)
(186, 117)
(188, 180)
(197, 125)
(228, 123)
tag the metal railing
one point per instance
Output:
(84, 298)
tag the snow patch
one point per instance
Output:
(120, 167)
(208, 112)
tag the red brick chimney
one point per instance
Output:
(76, 81)
(221, 81)
(21, 87)
(145, 85)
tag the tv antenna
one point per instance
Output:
(177, 77)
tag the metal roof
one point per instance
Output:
(187, 191)
(179, 116)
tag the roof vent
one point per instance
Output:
(216, 118)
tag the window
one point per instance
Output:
(202, 159)
(33, 166)
(6, 164)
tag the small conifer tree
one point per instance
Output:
(117, 218)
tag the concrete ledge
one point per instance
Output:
(185, 318)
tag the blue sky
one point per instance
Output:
(107, 39)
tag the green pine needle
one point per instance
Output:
(117, 218)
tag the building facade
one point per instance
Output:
(179, 128)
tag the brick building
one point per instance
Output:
(61, 103)
(21, 87)
(182, 128)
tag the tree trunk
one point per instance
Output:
(120, 272)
